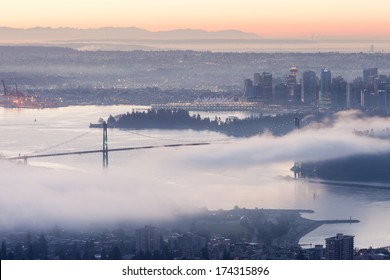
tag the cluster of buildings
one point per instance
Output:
(151, 242)
(325, 92)
(192, 246)
(339, 247)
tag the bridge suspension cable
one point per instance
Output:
(60, 144)
(177, 140)
(105, 149)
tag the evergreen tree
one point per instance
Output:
(226, 255)
(10, 256)
(89, 250)
(77, 255)
(116, 254)
(19, 252)
(42, 248)
(61, 254)
(205, 253)
(103, 254)
(30, 247)
(3, 252)
(166, 254)
(30, 252)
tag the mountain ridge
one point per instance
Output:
(112, 33)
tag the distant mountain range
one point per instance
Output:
(40, 34)
(134, 38)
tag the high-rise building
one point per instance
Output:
(325, 89)
(256, 79)
(369, 97)
(339, 90)
(355, 91)
(291, 81)
(248, 88)
(339, 247)
(257, 87)
(370, 74)
(266, 84)
(387, 93)
(281, 93)
(260, 89)
(384, 100)
(309, 87)
(147, 239)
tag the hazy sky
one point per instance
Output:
(266, 18)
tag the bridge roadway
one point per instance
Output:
(25, 157)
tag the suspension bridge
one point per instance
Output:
(105, 150)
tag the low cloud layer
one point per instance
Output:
(163, 183)
(328, 140)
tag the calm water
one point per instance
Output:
(160, 182)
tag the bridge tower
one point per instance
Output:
(297, 165)
(296, 122)
(105, 146)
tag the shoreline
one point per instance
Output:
(296, 226)
(308, 225)
(376, 185)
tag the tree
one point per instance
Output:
(89, 250)
(10, 256)
(3, 252)
(301, 255)
(103, 254)
(115, 254)
(30, 248)
(226, 255)
(111, 121)
(166, 254)
(42, 248)
(30, 251)
(19, 252)
(204, 253)
(60, 253)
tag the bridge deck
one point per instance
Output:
(24, 157)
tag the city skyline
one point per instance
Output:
(280, 18)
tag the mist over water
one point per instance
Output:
(146, 186)
(304, 45)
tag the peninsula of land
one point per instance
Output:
(279, 227)
(181, 119)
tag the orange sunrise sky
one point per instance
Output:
(273, 18)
